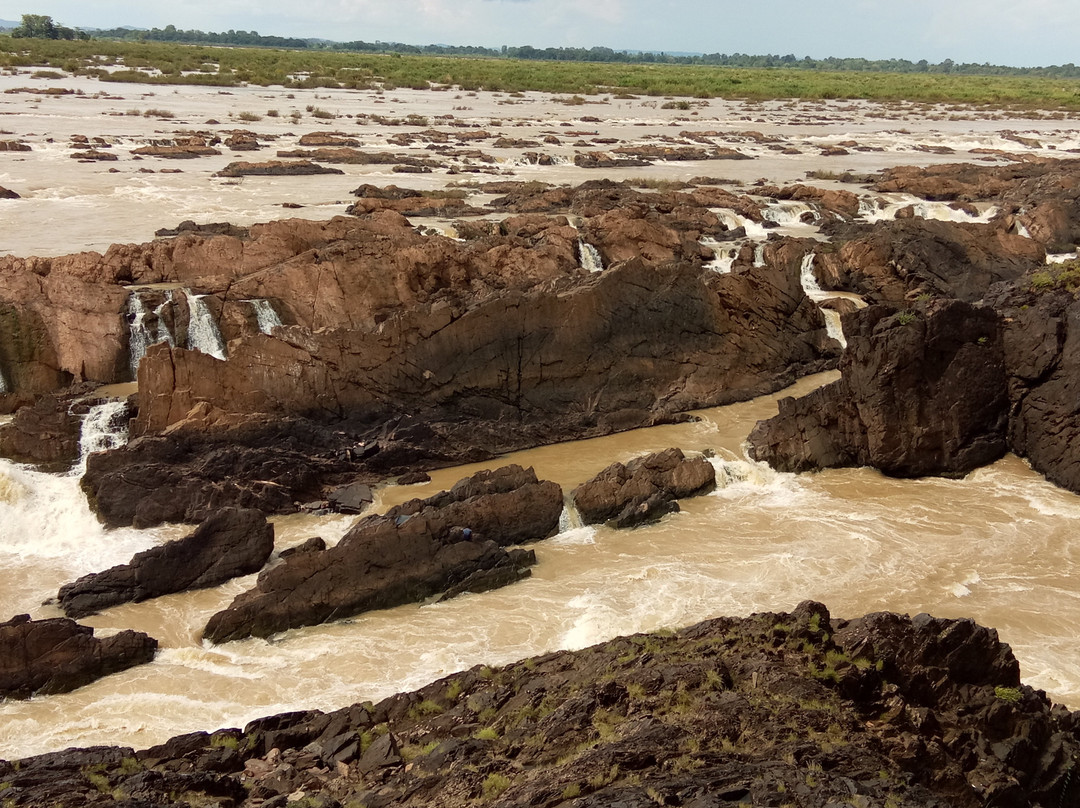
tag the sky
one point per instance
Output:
(1020, 33)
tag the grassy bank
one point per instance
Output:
(158, 63)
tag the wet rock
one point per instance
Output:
(413, 551)
(922, 392)
(644, 489)
(352, 498)
(14, 146)
(45, 434)
(6, 193)
(231, 543)
(38, 657)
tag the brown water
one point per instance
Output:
(997, 546)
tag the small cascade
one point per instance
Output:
(724, 258)
(788, 214)
(104, 427)
(808, 280)
(265, 315)
(1051, 258)
(868, 207)
(733, 221)
(4, 386)
(759, 255)
(1021, 230)
(589, 257)
(875, 210)
(146, 327)
(138, 336)
(833, 327)
(203, 333)
(163, 333)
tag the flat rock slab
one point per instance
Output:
(230, 543)
(57, 655)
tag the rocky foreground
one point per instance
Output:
(794, 709)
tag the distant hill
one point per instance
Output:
(9, 24)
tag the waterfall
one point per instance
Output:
(759, 255)
(1021, 230)
(265, 315)
(787, 214)
(833, 326)
(733, 221)
(203, 333)
(808, 280)
(103, 427)
(589, 257)
(725, 257)
(145, 327)
(163, 333)
(4, 386)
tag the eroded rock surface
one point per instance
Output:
(880, 710)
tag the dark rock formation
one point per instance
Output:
(415, 550)
(54, 656)
(275, 168)
(7, 193)
(644, 489)
(231, 543)
(922, 392)
(46, 434)
(768, 710)
(1042, 355)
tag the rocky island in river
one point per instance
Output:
(480, 287)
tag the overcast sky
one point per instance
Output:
(1013, 32)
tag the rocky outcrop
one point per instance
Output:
(38, 657)
(45, 434)
(922, 392)
(1042, 340)
(896, 262)
(7, 193)
(880, 710)
(453, 540)
(231, 543)
(644, 489)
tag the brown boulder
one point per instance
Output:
(6, 193)
(643, 489)
(54, 656)
(231, 543)
(414, 551)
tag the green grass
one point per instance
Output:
(215, 66)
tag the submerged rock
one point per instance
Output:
(644, 489)
(451, 541)
(231, 543)
(57, 655)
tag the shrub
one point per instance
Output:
(249, 116)
(494, 785)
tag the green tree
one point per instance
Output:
(41, 26)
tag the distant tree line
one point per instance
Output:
(41, 26)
